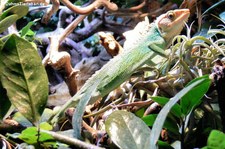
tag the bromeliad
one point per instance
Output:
(149, 41)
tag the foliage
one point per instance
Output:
(27, 88)
(11, 15)
(127, 131)
(26, 31)
(200, 85)
(32, 136)
(216, 140)
(123, 126)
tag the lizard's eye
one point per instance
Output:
(171, 15)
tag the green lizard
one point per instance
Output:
(149, 41)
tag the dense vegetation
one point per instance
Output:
(47, 54)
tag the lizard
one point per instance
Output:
(150, 40)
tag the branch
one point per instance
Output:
(110, 44)
(51, 11)
(79, 10)
(71, 27)
(135, 8)
(90, 8)
(61, 60)
(70, 141)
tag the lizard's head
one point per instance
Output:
(171, 23)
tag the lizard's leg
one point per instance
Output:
(157, 48)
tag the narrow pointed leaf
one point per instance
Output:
(158, 125)
(127, 131)
(188, 101)
(24, 77)
(7, 22)
(11, 15)
(26, 29)
(19, 10)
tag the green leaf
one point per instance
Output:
(158, 124)
(1, 44)
(150, 119)
(24, 77)
(169, 123)
(188, 101)
(46, 126)
(140, 112)
(7, 22)
(26, 29)
(11, 15)
(127, 131)
(5, 102)
(164, 145)
(216, 140)
(176, 109)
(30, 136)
(19, 10)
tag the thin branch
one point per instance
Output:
(70, 141)
(51, 11)
(71, 27)
(90, 8)
(135, 8)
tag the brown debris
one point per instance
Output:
(110, 44)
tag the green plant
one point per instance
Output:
(11, 15)
(120, 124)
(216, 140)
(23, 77)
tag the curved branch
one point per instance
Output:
(70, 140)
(71, 27)
(51, 11)
(135, 8)
(88, 9)
(110, 44)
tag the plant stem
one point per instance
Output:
(182, 133)
(70, 141)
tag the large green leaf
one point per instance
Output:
(7, 22)
(194, 96)
(216, 140)
(11, 15)
(158, 125)
(19, 10)
(30, 136)
(127, 131)
(24, 77)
